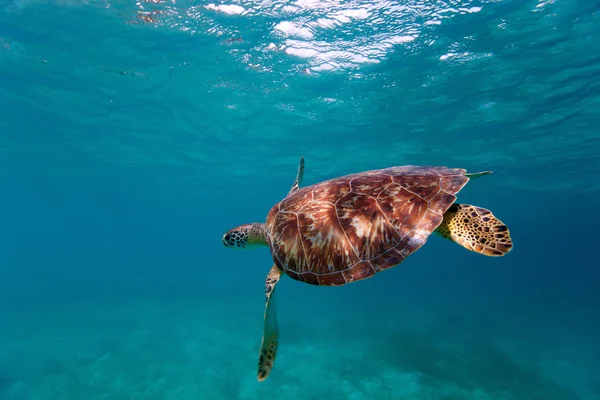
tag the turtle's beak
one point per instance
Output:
(226, 238)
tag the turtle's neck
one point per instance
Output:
(257, 234)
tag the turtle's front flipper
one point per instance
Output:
(299, 177)
(270, 339)
(475, 229)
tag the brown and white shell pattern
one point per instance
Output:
(349, 228)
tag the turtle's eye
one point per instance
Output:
(226, 239)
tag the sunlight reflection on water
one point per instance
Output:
(324, 35)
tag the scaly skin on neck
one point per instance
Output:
(257, 234)
(246, 236)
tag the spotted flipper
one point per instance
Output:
(299, 177)
(270, 339)
(475, 229)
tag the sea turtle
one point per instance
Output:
(349, 228)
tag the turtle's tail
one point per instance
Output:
(476, 229)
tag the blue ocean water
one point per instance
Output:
(134, 134)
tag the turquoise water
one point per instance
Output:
(134, 134)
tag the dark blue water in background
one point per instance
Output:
(133, 135)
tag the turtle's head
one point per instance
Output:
(246, 236)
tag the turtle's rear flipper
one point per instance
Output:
(475, 229)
